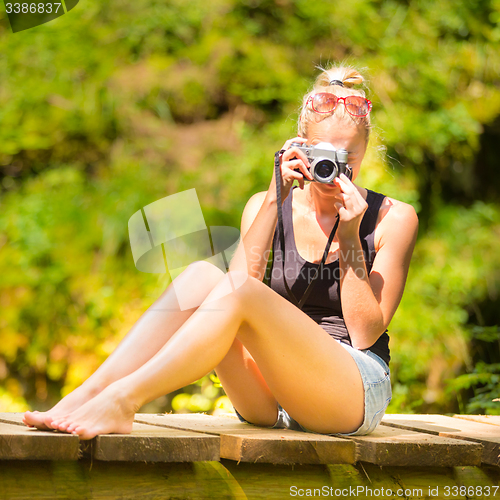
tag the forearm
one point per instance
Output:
(362, 314)
(253, 251)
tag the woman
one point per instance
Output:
(322, 369)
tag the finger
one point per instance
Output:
(341, 210)
(290, 176)
(298, 176)
(297, 164)
(295, 139)
(295, 153)
(345, 184)
(354, 201)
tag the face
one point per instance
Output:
(340, 134)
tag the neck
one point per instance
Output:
(322, 199)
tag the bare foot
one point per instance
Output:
(110, 412)
(73, 401)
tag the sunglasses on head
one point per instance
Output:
(325, 102)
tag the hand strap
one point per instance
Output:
(281, 233)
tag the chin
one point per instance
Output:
(326, 187)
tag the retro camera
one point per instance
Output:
(325, 161)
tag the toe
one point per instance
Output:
(71, 427)
(63, 426)
(57, 423)
(85, 434)
(31, 419)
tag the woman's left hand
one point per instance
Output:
(351, 208)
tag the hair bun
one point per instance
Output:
(343, 76)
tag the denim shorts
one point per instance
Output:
(377, 385)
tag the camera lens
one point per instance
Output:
(324, 170)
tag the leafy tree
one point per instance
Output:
(117, 104)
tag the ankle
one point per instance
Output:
(94, 387)
(125, 396)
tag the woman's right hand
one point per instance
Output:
(293, 158)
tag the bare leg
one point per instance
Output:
(244, 384)
(142, 342)
(301, 364)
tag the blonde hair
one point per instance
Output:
(328, 81)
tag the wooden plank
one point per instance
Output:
(390, 446)
(149, 443)
(470, 478)
(24, 443)
(248, 443)
(487, 435)
(91, 480)
(96, 480)
(405, 483)
(145, 443)
(345, 476)
(482, 419)
(15, 418)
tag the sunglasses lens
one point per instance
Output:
(356, 105)
(323, 103)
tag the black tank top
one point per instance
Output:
(323, 304)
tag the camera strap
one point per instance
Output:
(281, 233)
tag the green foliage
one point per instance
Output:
(484, 379)
(454, 270)
(120, 103)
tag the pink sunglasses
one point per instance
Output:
(325, 102)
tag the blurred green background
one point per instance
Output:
(120, 103)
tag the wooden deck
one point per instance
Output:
(201, 456)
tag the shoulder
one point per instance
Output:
(251, 210)
(396, 220)
(254, 204)
(256, 200)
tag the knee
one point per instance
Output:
(194, 284)
(236, 286)
(203, 272)
(243, 285)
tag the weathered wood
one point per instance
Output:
(23, 443)
(13, 418)
(145, 443)
(396, 482)
(487, 435)
(345, 476)
(482, 419)
(471, 476)
(208, 469)
(89, 480)
(391, 446)
(362, 481)
(277, 481)
(426, 482)
(149, 443)
(248, 443)
(154, 481)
